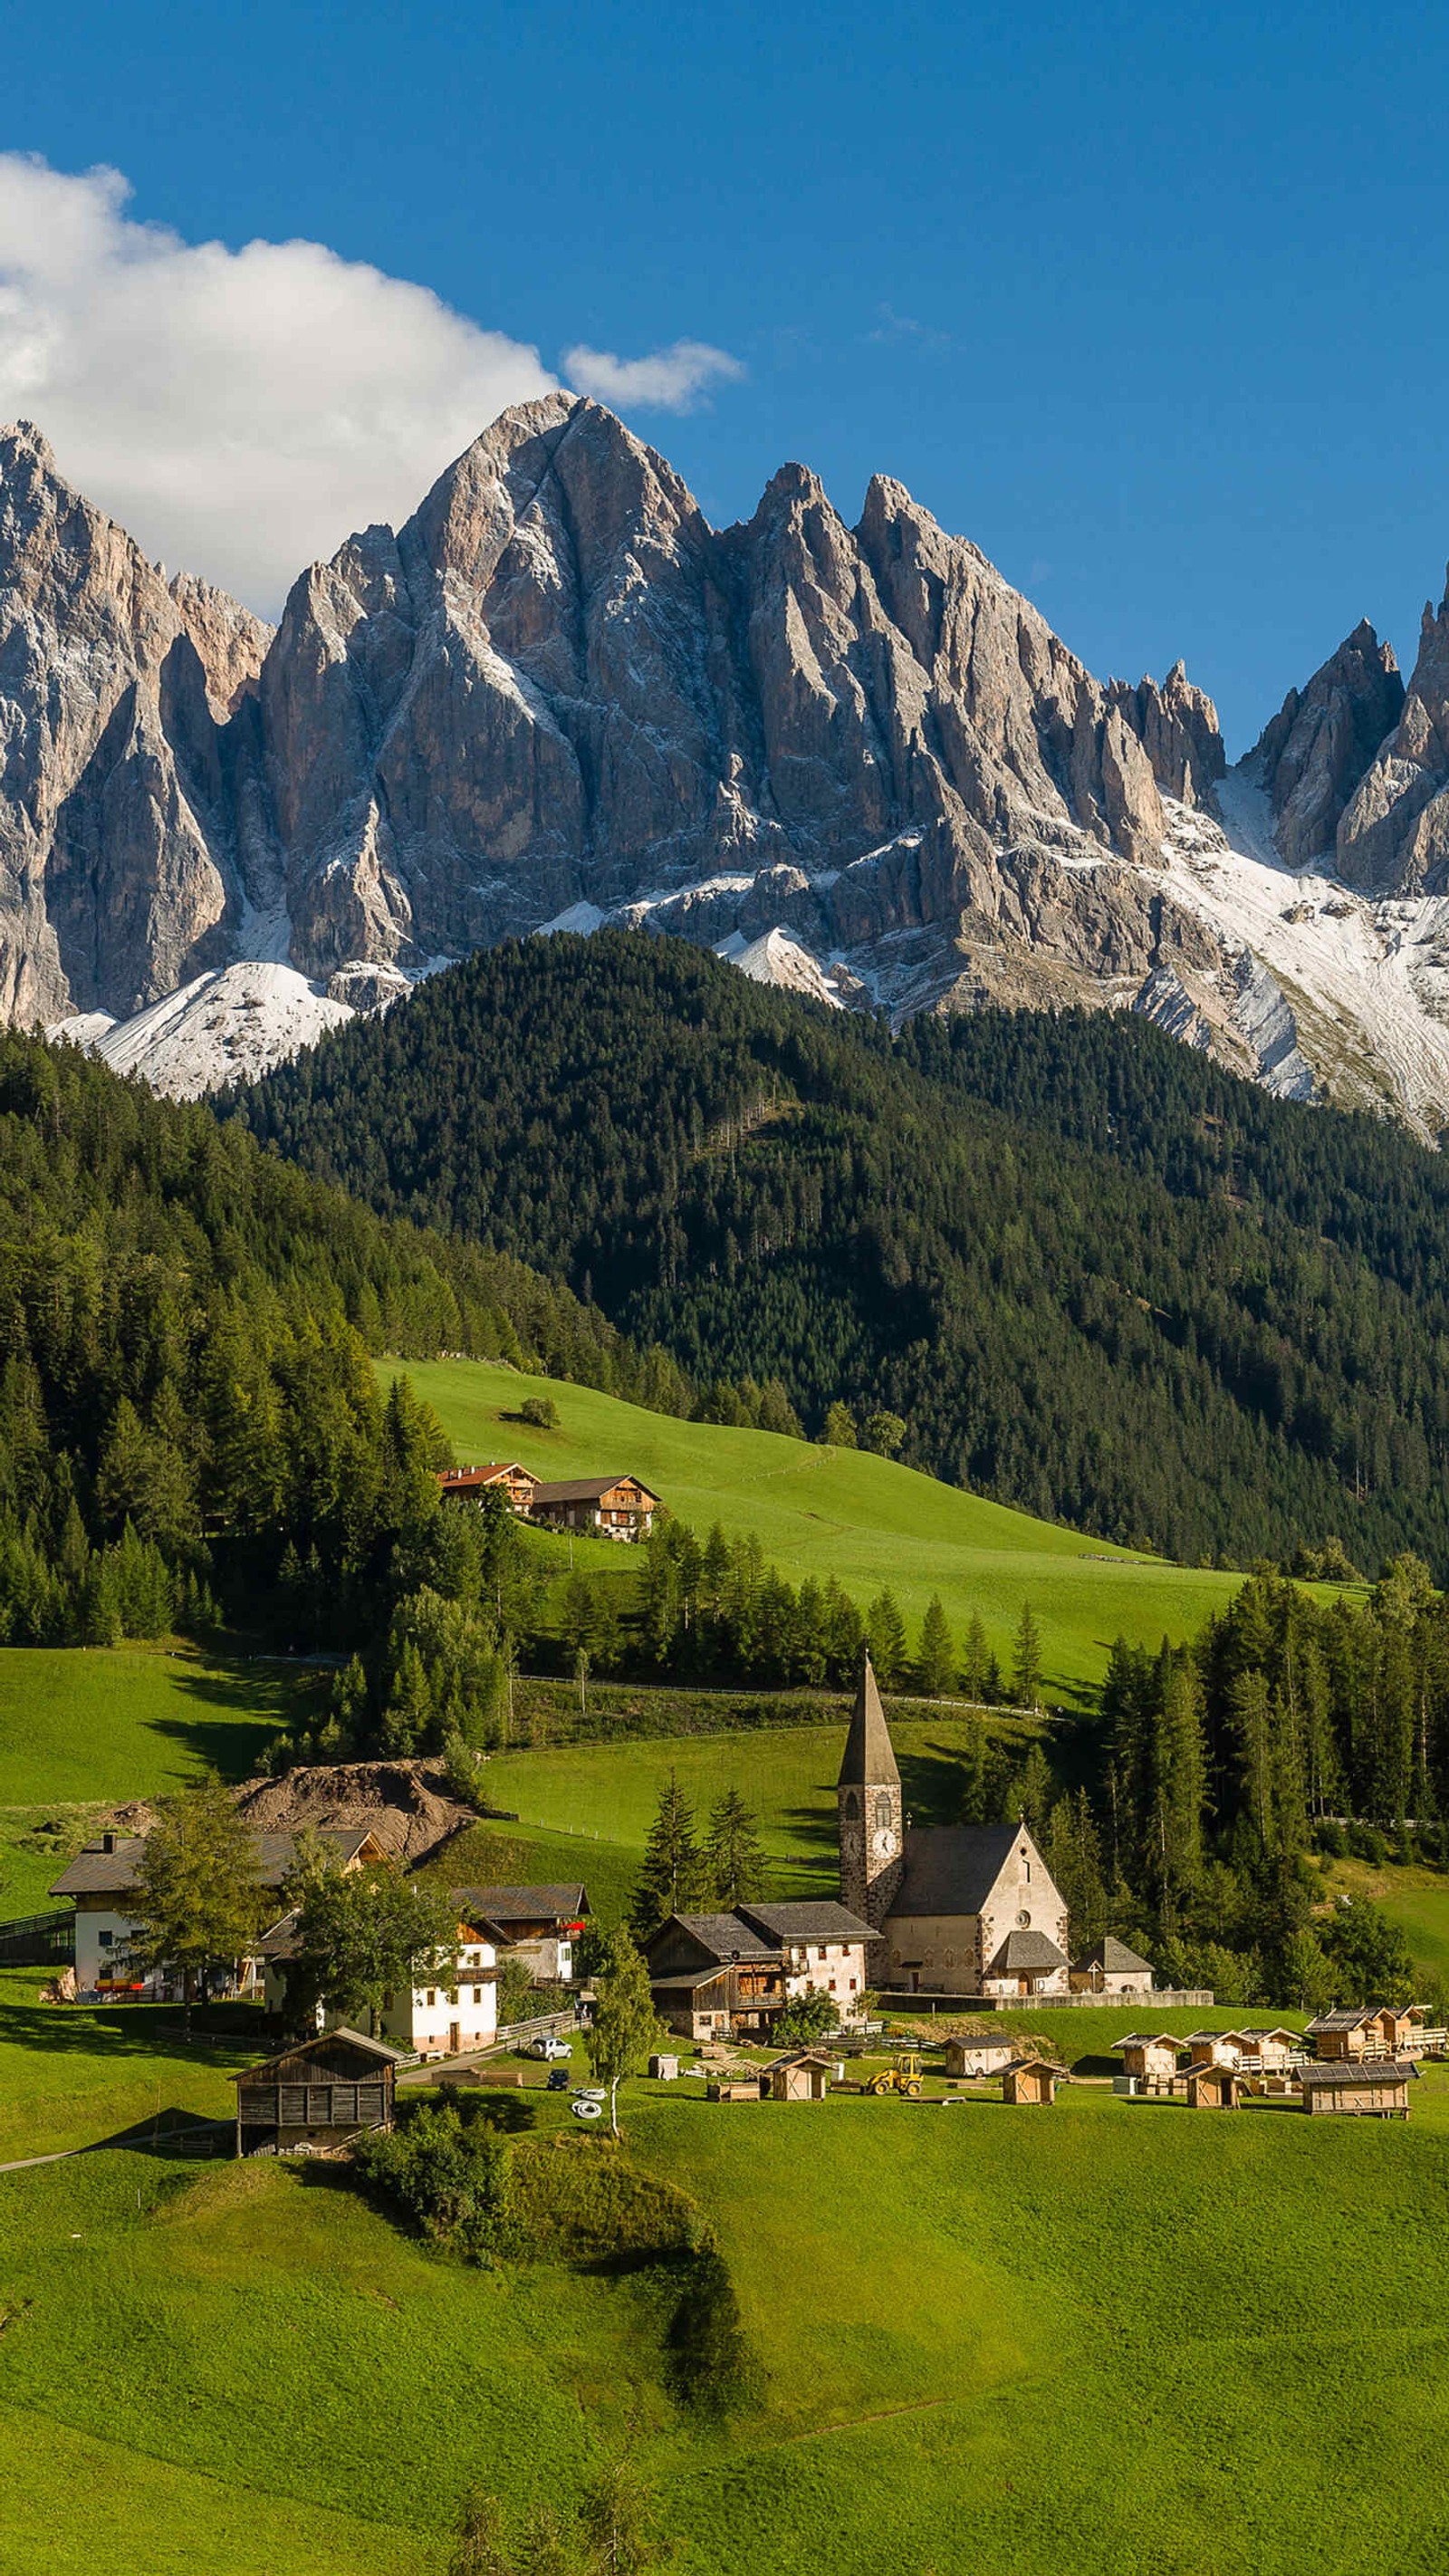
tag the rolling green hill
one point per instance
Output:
(822, 1511)
(1093, 1274)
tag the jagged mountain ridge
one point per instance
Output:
(557, 695)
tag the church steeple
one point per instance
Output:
(868, 1804)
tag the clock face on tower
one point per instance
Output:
(883, 1843)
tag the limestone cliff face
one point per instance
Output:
(558, 686)
(557, 693)
(1315, 752)
(1394, 836)
(114, 829)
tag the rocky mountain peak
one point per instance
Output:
(1311, 757)
(1393, 837)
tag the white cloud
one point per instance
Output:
(671, 379)
(239, 411)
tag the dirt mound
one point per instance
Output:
(406, 1804)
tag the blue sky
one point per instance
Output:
(1153, 308)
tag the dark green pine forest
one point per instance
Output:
(1093, 1274)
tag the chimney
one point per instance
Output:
(108, 1842)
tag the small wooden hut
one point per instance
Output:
(803, 2076)
(1150, 2058)
(978, 2056)
(1212, 2088)
(318, 2093)
(1374, 2090)
(1030, 2079)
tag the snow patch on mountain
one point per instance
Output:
(1364, 984)
(780, 960)
(232, 1026)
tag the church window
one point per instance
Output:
(883, 1808)
(852, 1803)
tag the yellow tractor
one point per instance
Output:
(904, 2077)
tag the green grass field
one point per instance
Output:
(88, 1723)
(826, 1511)
(1105, 2337)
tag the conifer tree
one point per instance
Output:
(671, 1876)
(1026, 1660)
(937, 1660)
(734, 1862)
(973, 1669)
(886, 1630)
(840, 1430)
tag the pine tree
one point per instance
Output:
(973, 1670)
(840, 1430)
(937, 1661)
(1026, 1660)
(671, 1876)
(734, 1862)
(886, 1630)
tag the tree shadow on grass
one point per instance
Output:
(251, 1699)
(122, 2032)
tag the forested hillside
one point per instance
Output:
(1090, 1273)
(186, 1403)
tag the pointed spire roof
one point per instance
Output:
(869, 1761)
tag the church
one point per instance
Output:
(959, 1909)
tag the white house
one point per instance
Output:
(102, 1875)
(538, 1925)
(823, 1946)
(433, 2021)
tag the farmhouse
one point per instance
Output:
(731, 1973)
(1110, 1968)
(470, 1484)
(1030, 2080)
(538, 1925)
(1374, 2030)
(598, 1506)
(101, 1876)
(960, 1909)
(431, 2021)
(319, 2093)
(1374, 2090)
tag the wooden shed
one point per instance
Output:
(318, 2093)
(1030, 2079)
(1375, 2091)
(1212, 2088)
(803, 2076)
(1150, 2058)
(978, 2056)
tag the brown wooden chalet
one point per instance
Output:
(713, 1975)
(1030, 2080)
(319, 2093)
(1213, 2088)
(597, 1506)
(1362, 2088)
(1371, 2030)
(470, 1484)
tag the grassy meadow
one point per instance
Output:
(1109, 2337)
(823, 1511)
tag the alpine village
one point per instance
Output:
(724, 1296)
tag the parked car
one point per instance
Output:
(548, 2046)
(559, 2079)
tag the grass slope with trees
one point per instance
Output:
(1074, 1264)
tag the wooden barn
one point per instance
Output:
(319, 2093)
(1212, 2088)
(1150, 2058)
(986, 2056)
(1030, 2079)
(1356, 2089)
(803, 2076)
(1349, 2034)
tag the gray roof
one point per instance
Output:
(1022, 1952)
(563, 1904)
(686, 1981)
(726, 1935)
(96, 1872)
(589, 1489)
(1355, 2071)
(869, 1761)
(1351, 2017)
(1153, 2039)
(1114, 1958)
(952, 1869)
(325, 2039)
(807, 1921)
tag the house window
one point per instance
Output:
(105, 1939)
(822, 1954)
(852, 1985)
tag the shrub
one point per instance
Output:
(452, 2176)
(807, 2018)
(540, 1412)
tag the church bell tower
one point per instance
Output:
(868, 1803)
